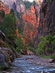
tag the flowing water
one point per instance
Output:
(21, 65)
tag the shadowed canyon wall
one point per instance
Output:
(47, 19)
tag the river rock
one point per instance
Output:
(29, 52)
(15, 54)
(2, 61)
(7, 56)
(5, 72)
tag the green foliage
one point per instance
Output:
(40, 48)
(2, 13)
(48, 56)
(12, 11)
(31, 48)
(48, 1)
(27, 4)
(53, 56)
(53, 44)
(17, 15)
(30, 45)
(8, 25)
(45, 56)
(20, 43)
(47, 44)
(2, 67)
(21, 28)
(49, 38)
(41, 45)
(10, 46)
(34, 3)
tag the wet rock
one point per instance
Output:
(29, 52)
(16, 54)
(2, 61)
(42, 71)
(52, 61)
(8, 56)
(5, 72)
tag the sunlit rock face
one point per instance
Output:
(31, 24)
(20, 6)
(3, 7)
(14, 4)
(8, 2)
(39, 2)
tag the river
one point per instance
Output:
(23, 65)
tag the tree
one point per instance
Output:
(2, 13)
(36, 12)
(9, 25)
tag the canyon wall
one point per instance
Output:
(47, 20)
(14, 4)
(3, 7)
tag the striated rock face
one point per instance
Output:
(31, 24)
(39, 2)
(20, 7)
(14, 4)
(47, 18)
(3, 7)
(8, 2)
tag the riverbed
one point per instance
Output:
(28, 64)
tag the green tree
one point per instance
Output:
(46, 45)
(2, 13)
(36, 12)
(9, 25)
(27, 4)
(42, 45)
(20, 44)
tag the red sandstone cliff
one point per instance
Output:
(3, 7)
(31, 24)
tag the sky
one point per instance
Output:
(31, 0)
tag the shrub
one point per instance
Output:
(42, 45)
(47, 44)
(53, 56)
(27, 4)
(2, 13)
(47, 1)
(20, 43)
(31, 48)
(53, 44)
(2, 67)
(40, 48)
